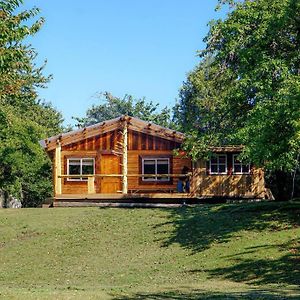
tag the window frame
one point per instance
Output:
(155, 179)
(218, 164)
(79, 179)
(241, 165)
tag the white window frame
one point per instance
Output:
(241, 165)
(81, 159)
(155, 179)
(218, 164)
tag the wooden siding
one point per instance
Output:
(142, 141)
(78, 187)
(111, 141)
(231, 185)
(134, 167)
(139, 144)
(105, 141)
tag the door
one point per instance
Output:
(110, 164)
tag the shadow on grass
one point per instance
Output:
(284, 270)
(197, 229)
(198, 294)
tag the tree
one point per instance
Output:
(255, 52)
(113, 107)
(201, 111)
(25, 171)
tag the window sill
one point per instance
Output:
(225, 173)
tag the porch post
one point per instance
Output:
(57, 168)
(124, 162)
(91, 185)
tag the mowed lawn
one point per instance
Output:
(224, 251)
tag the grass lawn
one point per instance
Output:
(226, 251)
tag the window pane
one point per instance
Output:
(222, 168)
(149, 166)
(74, 162)
(246, 168)
(88, 169)
(162, 167)
(214, 160)
(235, 159)
(74, 169)
(163, 161)
(237, 168)
(222, 159)
(87, 162)
(214, 168)
(87, 166)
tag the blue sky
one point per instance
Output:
(140, 47)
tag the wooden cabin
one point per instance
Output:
(127, 158)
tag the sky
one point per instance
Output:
(144, 48)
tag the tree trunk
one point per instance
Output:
(2, 200)
(294, 176)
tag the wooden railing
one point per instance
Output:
(91, 178)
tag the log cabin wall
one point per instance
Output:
(94, 147)
(110, 143)
(230, 185)
(145, 145)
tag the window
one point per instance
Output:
(80, 166)
(238, 166)
(218, 164)
(155, 166)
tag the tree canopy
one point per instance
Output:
(246, 89)
(24, 119)
(249, 92)
(112, 107)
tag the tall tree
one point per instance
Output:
(24, 120)
(256, 57)
(113, 107)
(201, 111)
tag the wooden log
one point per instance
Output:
(121, 175)
(57, 168)
(125, 158)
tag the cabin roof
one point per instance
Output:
(133, 123)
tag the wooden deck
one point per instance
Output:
(63, 200)
(123, 196)
(139, 200)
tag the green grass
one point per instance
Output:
(236, 251)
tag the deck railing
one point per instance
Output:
(91, 178)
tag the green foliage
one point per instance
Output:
(252, 95)
(113, 107)
(201, 111)
(25, 170)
